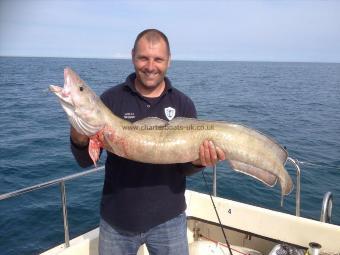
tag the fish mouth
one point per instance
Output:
(68, 106)
(65, 98)
(64, 93)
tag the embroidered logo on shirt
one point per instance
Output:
(129, 115)
(170, 113)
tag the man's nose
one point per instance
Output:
(150, 66)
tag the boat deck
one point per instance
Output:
(250, 230)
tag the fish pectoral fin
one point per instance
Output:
(151, 121)
(94, 149)
(255, 172)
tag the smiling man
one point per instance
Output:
(151, 58)
(144, 203)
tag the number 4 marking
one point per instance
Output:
(229, 211)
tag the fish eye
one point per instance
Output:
(81, 88)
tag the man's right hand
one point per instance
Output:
(79, 139)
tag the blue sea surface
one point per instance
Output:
(296, 103)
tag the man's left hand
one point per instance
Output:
(209, 154)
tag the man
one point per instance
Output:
(144, 203)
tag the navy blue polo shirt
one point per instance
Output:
(138, 196)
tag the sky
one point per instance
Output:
(257, 30)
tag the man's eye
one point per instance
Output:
(81, 88)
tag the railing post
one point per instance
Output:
(43, 185)
(63, 202)
(214, 188)
(326, 210)
(298, 185)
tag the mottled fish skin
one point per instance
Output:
(157, 141)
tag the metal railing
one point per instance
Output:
(295, 162)
(214, 184)
(61, 182)
(326, 210)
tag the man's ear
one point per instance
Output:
(169, 61)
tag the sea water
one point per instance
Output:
(296, 103)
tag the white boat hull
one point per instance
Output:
(252, 229)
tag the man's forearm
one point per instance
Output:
(79, 148)
(78, 139)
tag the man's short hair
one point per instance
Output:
(152, 35)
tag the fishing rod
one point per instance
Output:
(218, 216)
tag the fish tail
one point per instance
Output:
(286, 183)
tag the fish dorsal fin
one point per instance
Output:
(151, 121)
(186, 121)
(179, 120)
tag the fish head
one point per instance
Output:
(80, 103)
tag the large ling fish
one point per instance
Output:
(153, 140)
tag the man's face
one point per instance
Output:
(151, 61)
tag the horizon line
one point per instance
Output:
(178, 59)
